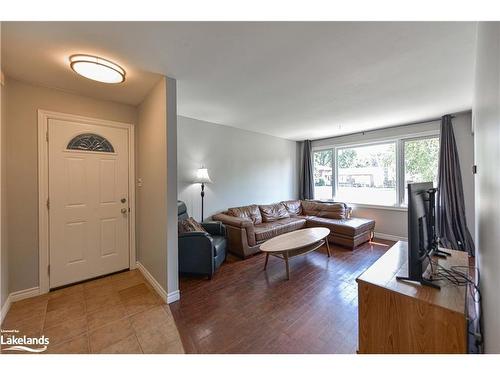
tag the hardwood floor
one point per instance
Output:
(245, 309)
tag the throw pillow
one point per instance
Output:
(293, 207)
(190, 225)
(251, 212)
(333, 211)
(273, 212)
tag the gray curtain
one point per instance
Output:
(307, 178)
(452, 225)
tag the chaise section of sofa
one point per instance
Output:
(248, 227)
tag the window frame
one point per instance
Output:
(399, 142)
(334, 162)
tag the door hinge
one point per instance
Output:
(48, 203)
(47, 136)
(48, 269)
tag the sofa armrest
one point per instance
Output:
(194, 234)
(215, 228)
(234, 221)
(196, 253)
(240, 231)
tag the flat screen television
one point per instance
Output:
(422, 241)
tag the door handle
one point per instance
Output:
(124, 210)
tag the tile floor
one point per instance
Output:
(120, 313)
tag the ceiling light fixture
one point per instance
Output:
(97, 68)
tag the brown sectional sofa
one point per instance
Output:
(249, 226)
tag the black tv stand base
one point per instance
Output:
(422, 281)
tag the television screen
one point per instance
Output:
(420, 231)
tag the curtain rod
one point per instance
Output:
(391, 127)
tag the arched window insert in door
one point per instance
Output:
(90, 142)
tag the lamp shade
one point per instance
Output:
(202, 176)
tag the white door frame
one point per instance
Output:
(43, 187)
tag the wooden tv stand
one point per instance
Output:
(406, 317)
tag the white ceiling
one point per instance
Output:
(297, 80)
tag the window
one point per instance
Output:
(375, 173)
(323, 174)
(421, 158)
(90, 142)
(367, 174)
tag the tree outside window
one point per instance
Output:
(421, 158)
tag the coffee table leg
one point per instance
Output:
(327, 246)
(286, 264)
(267, 258)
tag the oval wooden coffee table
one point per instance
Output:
(292, 244)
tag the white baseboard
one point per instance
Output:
(155, 284)
(390, 237)
(23, 294)
(17, 296)
(173, 296)
(5, 309)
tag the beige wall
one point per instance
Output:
(157, 229)
(23, 102)
(172, 238)
(487, 152)
(4, 290)
(3, 201)
(393, 222)
(4, 278)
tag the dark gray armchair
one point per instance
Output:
(200, 252)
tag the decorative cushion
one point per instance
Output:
(329, 210)
(310, 208)
(273, 212)
(293, 207)
(189, 225)
(333, 211)
(251, 212)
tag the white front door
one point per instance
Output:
(88, 201)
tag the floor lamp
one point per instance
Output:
(202, 178)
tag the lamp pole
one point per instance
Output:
(202, 196)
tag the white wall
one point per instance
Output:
(487, 152)
(245, 167)
(393, 222)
